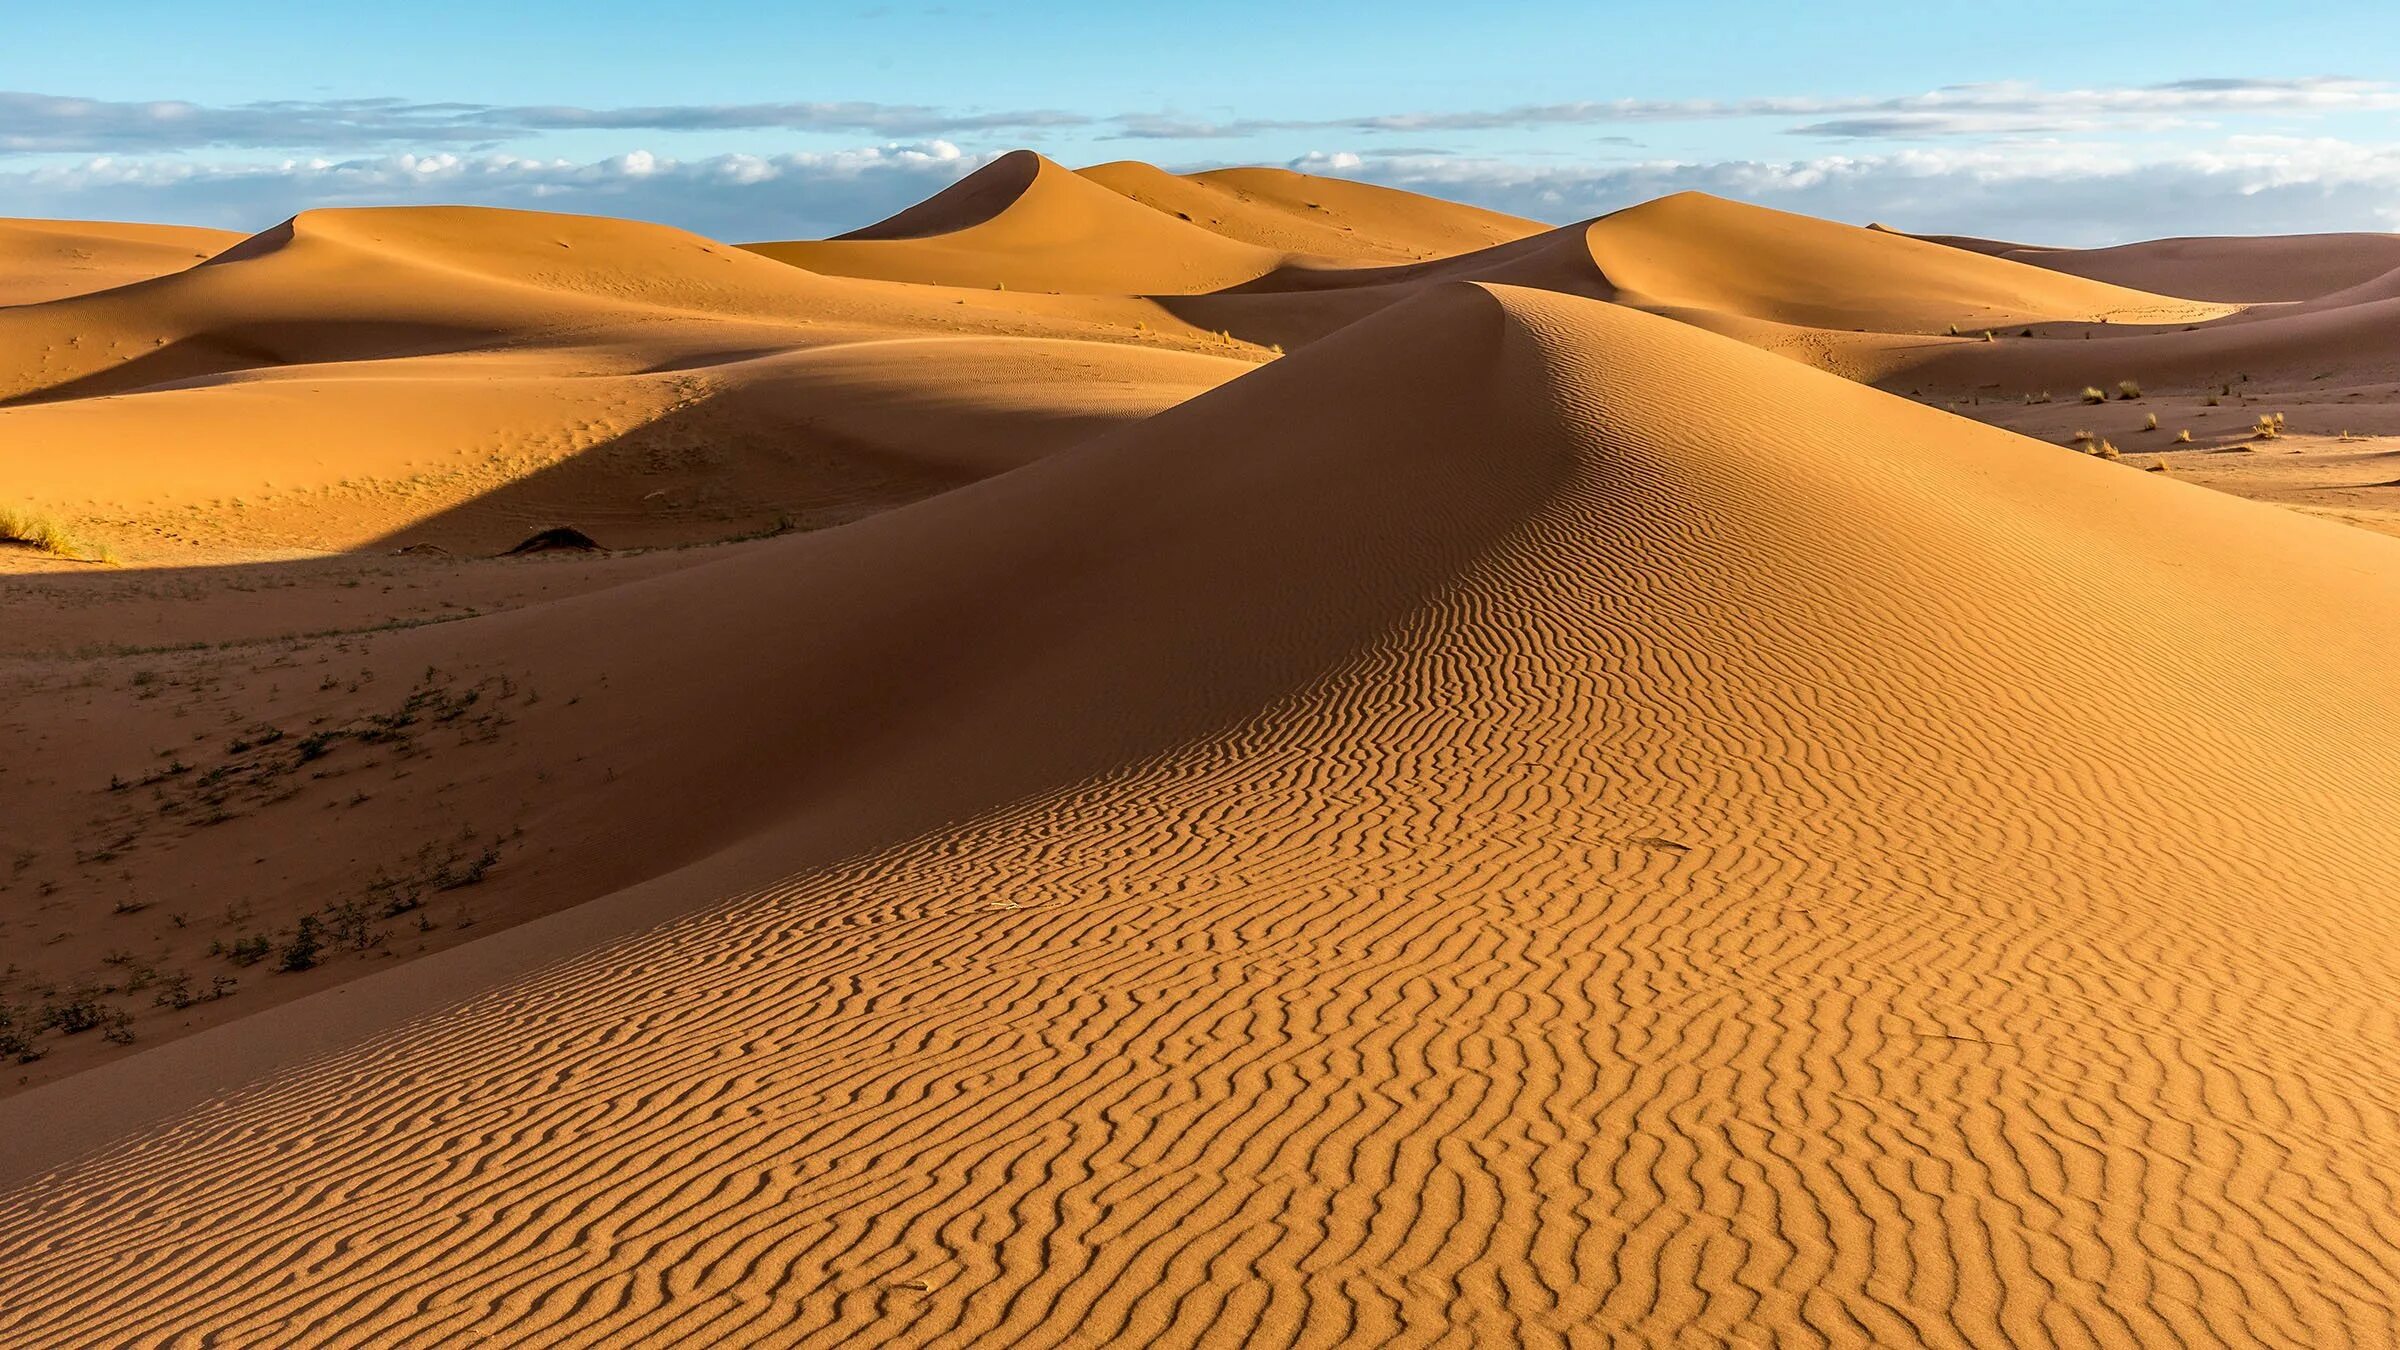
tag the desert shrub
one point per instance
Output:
(179, 994)
(2129, 389)
(353, 925)
(308, 942)
(2094, 394)
(2184, 437)
(2150, 423)
(77, 1013)
(17, 1031)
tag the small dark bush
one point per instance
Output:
(301, 952)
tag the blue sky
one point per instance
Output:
(2053, 122)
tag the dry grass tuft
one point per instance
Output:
(2184, 437)
(33, 529)
(2150, 423)
(2129, 389)
(2094, 394)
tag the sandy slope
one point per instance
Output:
(2241, 269)
(1769, 277)
(1525, 822)
(1024, 223)
(51, 259)
(1694, 251)
(1297, 213)
(464, 376)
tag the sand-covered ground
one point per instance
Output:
(1125, 758)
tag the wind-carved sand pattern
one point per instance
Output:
(1790, 888)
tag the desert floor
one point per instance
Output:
(1124, 758)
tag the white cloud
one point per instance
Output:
(1967, 107)
(2042, 191)
(737, 197)
(2055, 193)
(32, 123)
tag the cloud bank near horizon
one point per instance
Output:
(2053, 194)
(2078, 166)
(36, 123)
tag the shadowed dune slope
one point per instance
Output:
(2235, 268)
(475, 452)
(1632, 840)
(807, 674)
(370, 282)
(1025, 223)
(1297, 213)
(471, 374)
(2380, 287)
(2347, 335)
(1787, 283)
(44, 260)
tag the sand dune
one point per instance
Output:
(2283, 345)
(1693, 251)
(51, 259)
(463, 376)
(1638, 839)
(374, 283)
(2243, 270)
(1541, 816)
(1024, 223)
(1297, 213)
(1854, 301)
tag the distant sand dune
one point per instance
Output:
(1027, 224)
(426, 375)
(1522, 823)
(1296, 213)
(1828, 294)
(42, 260)
(2244, 270)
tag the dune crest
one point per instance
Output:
(1025, 223)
